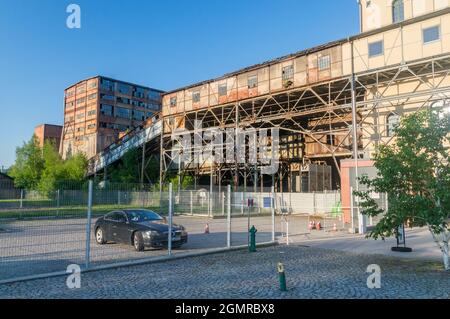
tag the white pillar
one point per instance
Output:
(88, 226)
(229, 216)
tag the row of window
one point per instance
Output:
(114, 126)
(89, 127)
(151, 106)
(109, 110)
(323, 63)
(81, 89)
(429, 35)
(127, 89)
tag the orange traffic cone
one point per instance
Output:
(318, 226)
(207, 229)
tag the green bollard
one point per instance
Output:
(282, 277)
(252, 245)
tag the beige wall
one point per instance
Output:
(378, 13)
(376, 122)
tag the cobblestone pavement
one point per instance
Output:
(311, 273)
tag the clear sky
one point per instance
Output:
(164, 44)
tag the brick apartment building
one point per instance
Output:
(97, 110)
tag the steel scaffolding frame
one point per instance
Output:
(331, 114)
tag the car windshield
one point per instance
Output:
(138, 216)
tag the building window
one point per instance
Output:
(324, 62)
(106, 109)
(70, 93)
(122, 113)
(139, 92)
(92, 96)
(70, 105)
(153, 106)
(81, 89)
(330, 139)
(442, 107)
(92, 113)
(81, 100)
(392, 121)
(123, 88)
(91, 126)
(92, 85)
(153, 95)
(288, 73)
(222, 90)
(107, 85)
(252, 82)
(398, 11)
(123, 100)
(376, 49)
(431, 34)
(80, 116)
(139, 116)
(107, 97)
(196, 97)
(173, 101)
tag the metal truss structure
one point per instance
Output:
(324, 122)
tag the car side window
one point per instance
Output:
(121, 218)
(110, 216)
(116, 217)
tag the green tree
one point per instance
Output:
(415, 173)
(29, 164)
(58, 171)
(75, 168)
(128, 169)
(53, 169)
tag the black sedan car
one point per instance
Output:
(138, 227)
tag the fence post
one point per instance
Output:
(191, 208)
(57, 203)
(222, 195)
(21, 198)
(314, 202)
(351, 209)
(272, 201)
(169, 243)
(88, 225)
(229, 216)
(118, 198)
(242, 203)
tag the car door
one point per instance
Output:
(119, 228)
(123, 229)
(108, 220)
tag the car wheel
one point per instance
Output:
(138, 241)
(100, 236)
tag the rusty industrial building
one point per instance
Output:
(100, 110)
(333, 104)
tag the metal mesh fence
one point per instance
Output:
(44, 232)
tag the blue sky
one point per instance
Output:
(163, 44)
